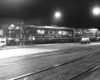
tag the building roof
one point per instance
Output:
(49, 27)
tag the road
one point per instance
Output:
(65, 63)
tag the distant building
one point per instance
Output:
(11, 21)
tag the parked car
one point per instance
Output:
(85, 40)
(2, 42)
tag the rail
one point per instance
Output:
(58, 65)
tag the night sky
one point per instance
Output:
(74, 13)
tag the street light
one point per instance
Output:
(57, 15)
(96, 11)
(56, 18)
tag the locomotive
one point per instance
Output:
(42, 34)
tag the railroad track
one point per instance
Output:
(85, 74)
(46, 54)
(90, 69)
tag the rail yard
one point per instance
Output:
(49, 39)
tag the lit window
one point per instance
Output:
(59, 32)
(80, 32)
(40, 31)
(64, 32)
(17, 27)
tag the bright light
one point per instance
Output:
(59, 32)
(40, 31)
(17, 27)
(12, 25)
(57, 15)
(96, 11)
(94, 29)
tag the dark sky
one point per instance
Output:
(75, 13)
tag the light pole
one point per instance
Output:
(96, 12)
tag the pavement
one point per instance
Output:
(14, 51)
(16, 47)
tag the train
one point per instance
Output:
(46, 34)
(92, 33)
